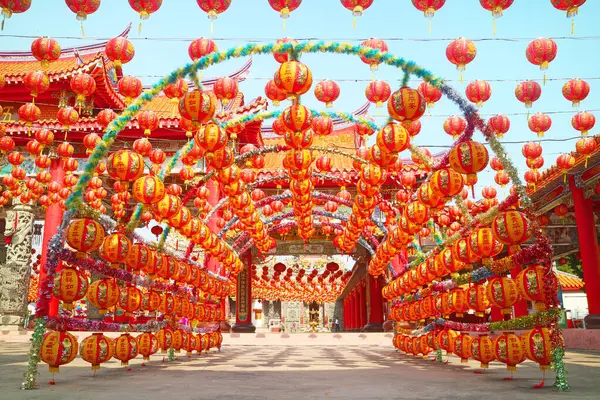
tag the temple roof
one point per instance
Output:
(569, 282)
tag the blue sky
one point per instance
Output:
(398, 20)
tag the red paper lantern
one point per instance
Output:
(97, 349)
(175, 91)
(378, 92)
(284, 7)
(29, 113)
(430, 93)
(535, 163)
(357, 7)
(406, 104)
(586, 146)
(478, 92)
(148, 121)
(393, 138)
(483, 350)
(446, 182)
(130, 87)
(461, 52)
(201, 47)
(214, 7)
(10, 7)
(512, 228)
(374, 44)
(274, 93)
(105, 117)
(541, 52)
(226, 89)
(537, 346)
(58, 348)
(509, 350)
(499, 125)
(145, 8)
(45, 50)
(455, 126)
(429, 7)
(125, 165)
(293, 77)
(468, 158)
(565, 162)
(327, 91)
(37, 82)
(583, 122)
(322, 125)
(531, 282)
(576, 90)
(119, 50)
(197, 106)
(527, 92)
(539, 123)
(531, 150)
(502, 292)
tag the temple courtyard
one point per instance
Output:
(328, 366)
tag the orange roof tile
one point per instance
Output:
(11, 69)
(569, 281)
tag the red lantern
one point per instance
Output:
(294, 78)
(226, 89)
(446, 182)
(483, 350)
(274, 93)
(406, 104)
(197, 106)
(97, 349)
(531, 282)
(537, 346)
(213, 7)
(37, 82)
(502, 292)
(148, 121)
(511, 228)
(58, 348)
(322, 125)
(485, 245)
(175, 91)
(201, 47)
(45, 50)
(327, 92)
(509, 350)
(378, 92)
(145, 8)
(532, 177)
(285, 7)
(478, 92)
(374, 44)
(531, 150)
(535, 163)
(393, 138)
(468, 158)
(565, 162)
(561, 210)
(539, 123)
(455, 126)
(586, 146)
(130, 87)
(429, 7)
(499, 125)
(10, 7)
(527, 92)
(125, 165)
(105, 117)
(576, 90)
(461, 52)
(430, 93)
(119, 50)
(357, 7)
(541, 52)
(67, 116)
(583, 122)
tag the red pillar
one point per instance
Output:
(243, 304)
(588, 247)
(52, 221)
(496, 314)
(361, 306)
(345, 320)
(520, 307)
(211, 263)
(355, 309)
(375, 305)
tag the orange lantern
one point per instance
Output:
(125, 165)
(177, 340)
(393, 138)
(484, 244)
(511, 228)
(130, 299)
(477, 299)
(462, 347)
(327, 91)
(58, 348)
(459, 301)
(139, 256)
(167, 207)
(147, 345)
(296, 118)
(478, 92)
(446, 182)
(509, 350)
(150, 301)
(84, 235)
(274, 93)
(115, 249)
(167, 304)
(530, 283)
(103, 294)
(378, 92)
(212, 138)
(445, 340)
(483, 350)
(468, 158)
(148, 189)
(502, 292)
(406, 104)
(293, 77)
(69, 285)
(96, 349)
(126, 348)
(455, 126)
(197, 106)
(537, 346)
(165, 339)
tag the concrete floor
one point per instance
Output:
(294, 372)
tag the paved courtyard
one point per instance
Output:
(294, 372)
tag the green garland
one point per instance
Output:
(171, 354)
(559, 366)
(34, 355)
(542, 318)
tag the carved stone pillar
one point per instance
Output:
(14, 274)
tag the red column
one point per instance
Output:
(243, 304)
(52, 222)
(350, 314)
(364, 305)
(520, 307)
(355, 309)
(345, 313)
(375, 305)
(213, 199)
(588, 247)
(496, 314)
(361, 306)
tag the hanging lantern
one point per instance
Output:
(530, 283)
(84, 235)
(148, 121)
(430, 93)
(119, 50)
(226, 89)
(541, 52)
(576, 90)
(378, 92)
(197, 106)
(483, 350)
(406, 104)
(115, 249)
(527, 92)
(69, 285)
(201, 47)
(84, 86)
(537, 346)
(322, 125)
(502, 178)
(58, 348)
(583, 122)
(369, 45)
(461, 52)
(96, 349)
(462, 347)
(455, 126)
(586, 146)
(445, 340)
(44, 49)
(36, 82)
(10, 7)
(147, 345)
(535, 163)
(502, 292)
(499, 125)
(484, 244)
(509, 350)
(130, 87)
(167, 207)
(174, 92)
(126, 348)
(531, 150)
(512, 228)
(82, 8)
(165, 338)
(429, 7)
(105, 117)
(468, 158)
(565, 162)
(393, 138)
(293, 77)
(496, 7)
(125, 165)
(145, 8)
(478, 92)
(539, 123)
(274, 93)
(357, 7)
(29, 113)
(446, 182)
(212, 138)
(139, 256)
(477, 299)
(130, 299)
(213, 8)
(327, 91)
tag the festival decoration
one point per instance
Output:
(96, 349)
(478, 92)
(461, 52)
(58, 348)
(576, 90)
(213, 8)
(571, 7)
(583, 122)
(145, 8)
(357, 7)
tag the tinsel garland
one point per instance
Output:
(171, 354)
(77, 324)
(34, 357)
(348, 118)
(558, 365)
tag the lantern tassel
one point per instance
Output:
(572, 26)
(283, 25)
(544, 78)
(354, 23)
(82, 30)
(140, 27)
(212, 28)
(3, 19)
(430, 26)
(461, 77)
(541, 384)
